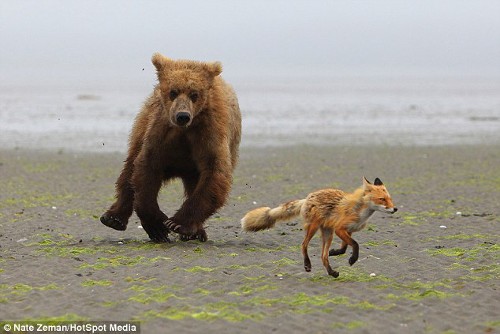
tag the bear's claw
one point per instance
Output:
(200, 235)
(174, 227)
(113, 222)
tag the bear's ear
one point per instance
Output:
(159, 61)
(213, 69)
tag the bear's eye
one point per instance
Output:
(194, 96)
(173, 94)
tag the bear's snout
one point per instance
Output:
(182, 118)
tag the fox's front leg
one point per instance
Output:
(327, 236)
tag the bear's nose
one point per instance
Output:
(182, 118)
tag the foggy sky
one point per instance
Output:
(91, 40)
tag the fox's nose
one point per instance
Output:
(182, 118)
(394, 209)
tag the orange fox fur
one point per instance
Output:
(329, 210)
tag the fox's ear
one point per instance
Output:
(159, 61)
(378, 182)
(366, 184)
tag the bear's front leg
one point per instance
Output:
(118, 214)
(209, 195)
(147, 182)
(120, 211)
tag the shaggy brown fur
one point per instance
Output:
(190, 128)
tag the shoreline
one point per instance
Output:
(278, 145)
(337, 111)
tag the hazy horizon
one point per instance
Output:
(59, 42)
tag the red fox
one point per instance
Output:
(330, 210)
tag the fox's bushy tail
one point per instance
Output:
(265, 217)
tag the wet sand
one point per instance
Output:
(431, 268)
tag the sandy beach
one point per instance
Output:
(329, 92)
(431, 268)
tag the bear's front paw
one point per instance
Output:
(201, 235)
(186, 233)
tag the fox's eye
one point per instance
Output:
(382, 199)
(173, 94)
(194, 96)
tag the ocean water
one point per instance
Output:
(276, 112)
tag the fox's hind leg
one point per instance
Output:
(311, 229)
(327, 236)
(346, 239)
(340, 251)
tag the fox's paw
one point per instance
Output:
(333, 273)
(307, 265)
(353, 260)
(113, 222)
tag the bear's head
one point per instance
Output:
(184, 87)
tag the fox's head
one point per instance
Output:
(378, 197)
(184, 86)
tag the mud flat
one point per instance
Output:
(431, 268)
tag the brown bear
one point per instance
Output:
(188, 128)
